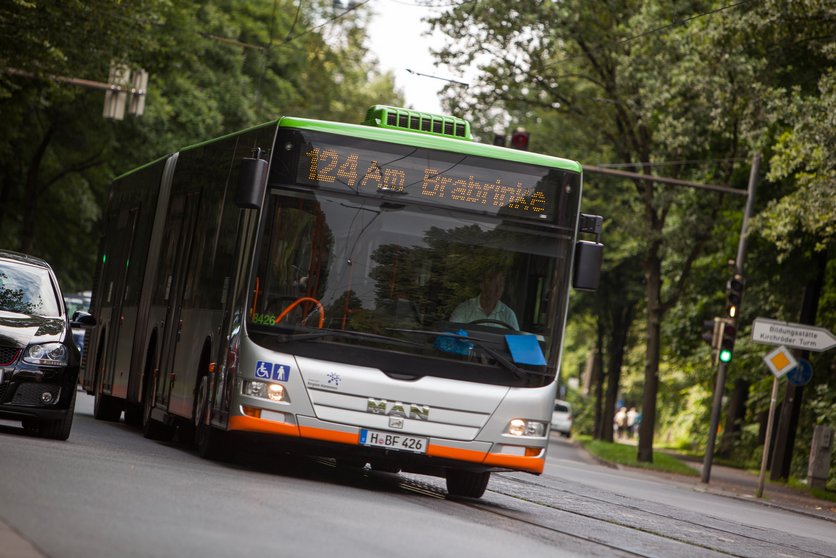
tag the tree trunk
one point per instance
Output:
(598, 382)
(653, 276)
(794, 395)
(26, 240)
(622, 319)
(735, 414)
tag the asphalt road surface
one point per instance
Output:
(108, 491)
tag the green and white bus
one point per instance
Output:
(308, 282)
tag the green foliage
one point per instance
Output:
(624, 454)
(701, 85)
(214, 67)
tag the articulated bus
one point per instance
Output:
(305, 284)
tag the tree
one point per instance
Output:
(643, 90)
(215, 67)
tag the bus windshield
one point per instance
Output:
(377, 250)
(410, 279)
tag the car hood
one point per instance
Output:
(18, 330)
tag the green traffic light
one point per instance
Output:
(725, 355)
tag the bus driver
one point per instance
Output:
(487, 306)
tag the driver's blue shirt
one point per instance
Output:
(470, 310)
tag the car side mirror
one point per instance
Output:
(252, 183)
(82, 320)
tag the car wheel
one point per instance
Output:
(60, 429)
(466, 484)
(30, 426)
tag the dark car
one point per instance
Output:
(38, 358)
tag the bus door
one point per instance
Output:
(120, 337)
(179, 234)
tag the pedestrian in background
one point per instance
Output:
(621, 422)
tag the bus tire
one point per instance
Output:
(466, 484)
(105, 407)
(153, 429)
(212, 443)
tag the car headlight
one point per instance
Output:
(520, 427)
(46, 354)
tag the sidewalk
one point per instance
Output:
(741, 484)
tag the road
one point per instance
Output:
(109, 491)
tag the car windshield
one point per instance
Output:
(410, 276)
(27, 289)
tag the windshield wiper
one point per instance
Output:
(482, 344)
(347, 334)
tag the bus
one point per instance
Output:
(302, 283)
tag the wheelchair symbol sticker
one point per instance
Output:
(272, 371)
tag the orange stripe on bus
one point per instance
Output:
(520, 462)
(250, 424)
(352, 438)
(456, 453)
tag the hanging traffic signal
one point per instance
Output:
(519, 139)
(728, 332)
(734, 296)
(499, 139)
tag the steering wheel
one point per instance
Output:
(490, 321)
(299, 301)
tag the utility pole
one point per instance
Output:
(722, 367)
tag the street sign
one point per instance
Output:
(796, 336)
(780, 361)
(801, 374)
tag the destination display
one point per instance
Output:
(441, 178)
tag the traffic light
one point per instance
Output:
(728, 332)
(734, 296)
(499, 139)
(519, 139)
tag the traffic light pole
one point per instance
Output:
(722, 368)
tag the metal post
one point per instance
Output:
(750, 204)
(768, 441)
(720, 386)
(715, 421)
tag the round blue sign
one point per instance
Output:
(801, 374)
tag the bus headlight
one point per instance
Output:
(521, 427)
(264, 390)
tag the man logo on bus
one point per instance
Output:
(397, 409)
(272, 371)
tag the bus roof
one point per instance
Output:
(402, 137)
(427, 141)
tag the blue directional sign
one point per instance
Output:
(801, 374)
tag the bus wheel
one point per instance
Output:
(105, 407)
(212, 443)
(153, 429)
(466, 484)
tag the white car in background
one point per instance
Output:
(562, 418)
(78, 302)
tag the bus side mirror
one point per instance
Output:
(252, 183)
(587, 269)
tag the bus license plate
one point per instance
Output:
(389, 440)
